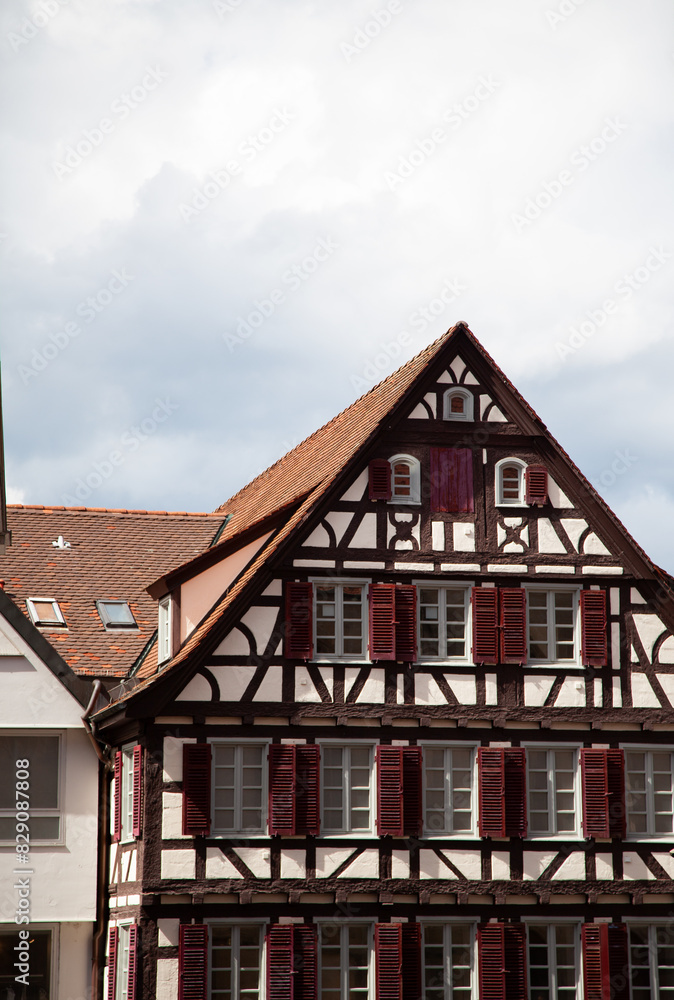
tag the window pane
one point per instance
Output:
(402, 480)
(39, 977)
(42, 753)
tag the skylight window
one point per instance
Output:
(116, 614)
(45, 611)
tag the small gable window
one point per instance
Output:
(45, 611)
(510, 482)
(405, 479)
(164, 630)
(457, 405)
(116, 614)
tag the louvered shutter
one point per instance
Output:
(132, 977)
(515, 954)
(491, 961)
(451, 476)
(196, 789)
(536, 484)
(615, 774)
(412, 794)
(388, 961)
(485, 625)
(513, 605)
(282, 801)
(307, 789)
(491, 781)
(280, 962)
(113, 940)
(380, 479)
(596, 969)
(618, 961)
(406, 623)
(515, 780)
(193, 962)
(594, 771)
(411, 961)
(299, 642)
(594, 650)
(117, 802)
(137, 790)
(390, 819)
(382, 621)
(305, 962)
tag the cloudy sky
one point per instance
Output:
(214, 215)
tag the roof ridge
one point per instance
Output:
(112, 510)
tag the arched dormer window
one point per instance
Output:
(509, 483)
(457, 405)
(405, 479)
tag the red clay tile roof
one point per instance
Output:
(113, 555)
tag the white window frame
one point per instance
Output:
(164, 628)
(344, 966)
(576, 833)
(649, 750)
(469, 408)
(448, 834)
(498, 482)
(341, 582)
(123, 952)
(37, 812)
(126, 794)
(346, 806)
(262, 925)
(54, 964)
(415, 480)
(430, 584)
(652, 923)
(552, 965)
(35, 618)
(249, 834)
(101, 607)
(446, 924)
(556, 588)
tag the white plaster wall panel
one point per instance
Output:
(555, 569)
(548, 540)
(275, 589)
(496, 416)
(128, 866)
(537, 687)
(218, 866)
(470, 379)
(572, 868)
(339, 521)
(464, 536)
(319, 538)
(574, 528)
(643, 695)
(593, 546)
(400, 864)
(598, 693)
(293, 864)
(314, 563)
(458, 366)
(666, 860)
(357, 488)
(261, 622)
(74, 958)
(114, 848)
(167, 979)
(374, 690)
(557, 496)
(400, 689)
(328, 675)
(484, 403)
(649, 628)
(571, 694)
(305, 690)
(366, 865)
(604, 867)
(469, 863)
(513, 547)
(198, 689)
(635, 596)
(328, 859)
(363, 564)
(426, 691)
(615, 644)
(464, 688)
(256, 859)
(614, 600)
(490, 689)
(617, 693)
(667, 683)
(7, 647)
(168, 932)
(438, 535)
(446, 378)
(460, 567)
(419, 412)
(634, 868)
(172, 816)
(403, 544)
(178, 864)
(535, 863)
(431, 867)
(432, 400)
(173, 757)
(270, 687)
(235, 643)
(634, 659)
(414, 567)
(517, 568)
(350, 674)
(133, 900)
(500, 865)
(666, 652)
(232, 681)
(606, 570)
(365, 535)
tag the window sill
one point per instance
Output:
(241, 835)
(400, 501)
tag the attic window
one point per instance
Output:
(116, 614)
(458, 405)
(45, 611)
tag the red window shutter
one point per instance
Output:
(515, 954)
(390, 819)
(615, 777)
(280, 962)
(388, 961)
(382, 621)
(513, 625)
(299, 641)
(451, 475)
(491, 780)
(305, 952)
(406, 623)
(132, 978)
(411, 961)
(485, 625)
(412, 794)
(307, 789)
(618, 960)
(112, 963)
(193, 962)
(593, 621)
(596, 969)
(594, 771)
(196, 789)
(515, 771)
(117, 803)
(137, 790)
(491, 961)
(536, 484)
(282, 800)
(380, 479)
